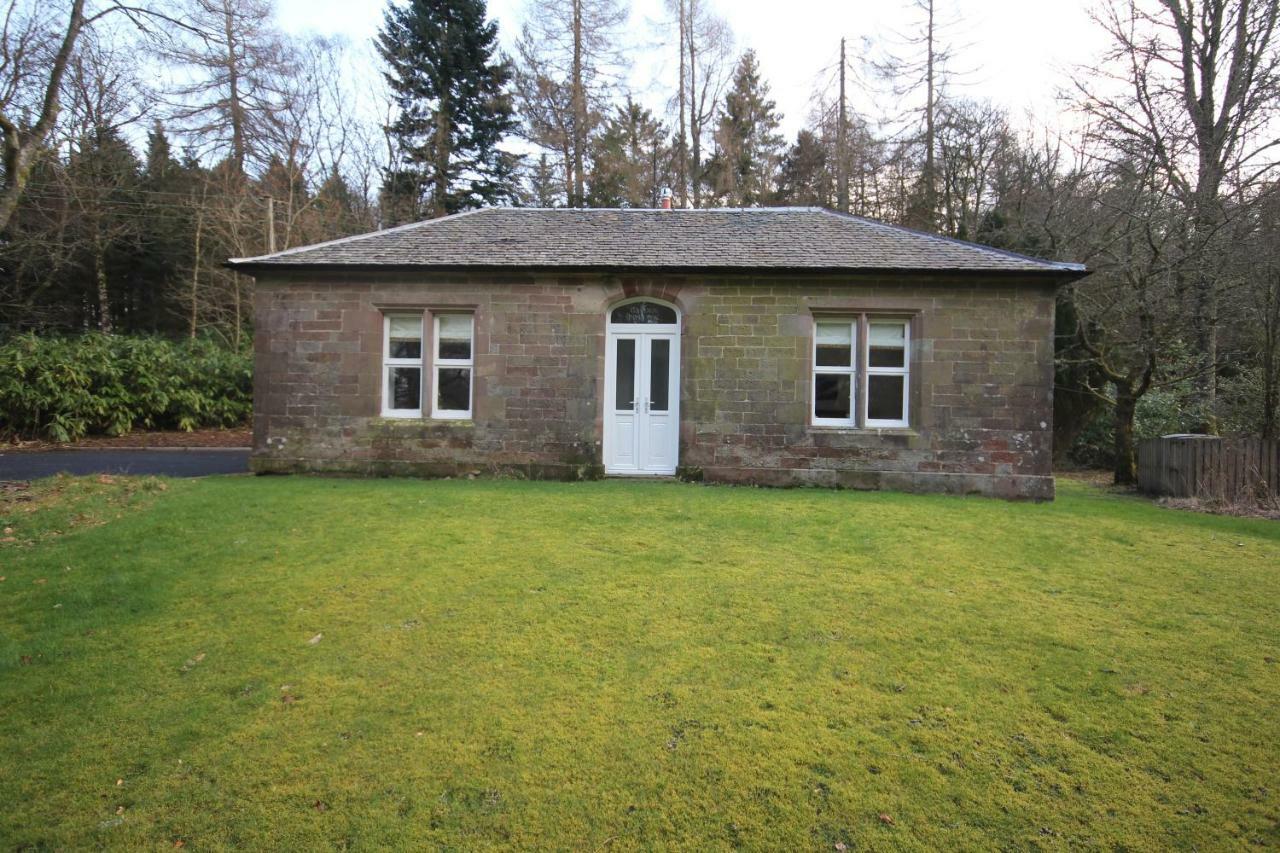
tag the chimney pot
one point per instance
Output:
(665, 198)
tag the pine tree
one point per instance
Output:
(744, 169)
(806, 176)
(631, 158)
(339, 209)
(454, 107)
(544, 186)
(166, 234)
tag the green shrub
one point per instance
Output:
(64, 388)
(1159, 412)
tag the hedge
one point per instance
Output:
(64, 388)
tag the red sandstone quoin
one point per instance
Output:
(783, 346)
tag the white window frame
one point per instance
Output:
(851, 371)
(904, 372)
(437, 363)
(388, 363)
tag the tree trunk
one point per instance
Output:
(235, 296)
(682, 151)
(100, 276)
(930, 198)
(695, 120)
(1204, 309)
(195, 273)
(579, 110)
(235, 105)
(1271, 358)
(842, 145)
(20, 144)
(440, 180)
(1126, 463)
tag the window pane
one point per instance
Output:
(884, 397)
(453, 389)
(835, 345)
(405, 326)
(406, 388)
(455, 336)
(888, 343)
(625, 375)
(643, 312)
(404, 335)
(659, 374)
(405, 349)
(831, 395)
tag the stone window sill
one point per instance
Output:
(383, 420)
(839, 430)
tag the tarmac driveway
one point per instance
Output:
(194, 462)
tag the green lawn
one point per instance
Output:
(623, 665)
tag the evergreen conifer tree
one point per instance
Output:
(451, 89)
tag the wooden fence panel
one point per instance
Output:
(1209, 467)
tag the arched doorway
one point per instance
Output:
(642, 388)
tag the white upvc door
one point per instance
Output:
(642, 402)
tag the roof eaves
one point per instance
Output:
(1065, 275)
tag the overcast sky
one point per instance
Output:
(1018, 53)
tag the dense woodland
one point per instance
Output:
(145, 144)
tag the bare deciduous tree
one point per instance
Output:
(231, 84)
(706, 64)
(923, 62)
(1197, 84)
(35, 49)
(570, 57)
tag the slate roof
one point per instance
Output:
(780, 238)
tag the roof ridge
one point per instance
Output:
(408, 226)
(770, 209)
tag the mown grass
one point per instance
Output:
(619, 665)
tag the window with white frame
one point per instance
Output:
(453, 365)
(402, 366)
(888, 342)
(834, 372)
(861, 371)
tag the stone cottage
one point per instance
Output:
(773, 346)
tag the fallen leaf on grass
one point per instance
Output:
(41, 580)
(179, 843)
(191, 663)
(320, 806)
(887, 820)
(314, 639)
